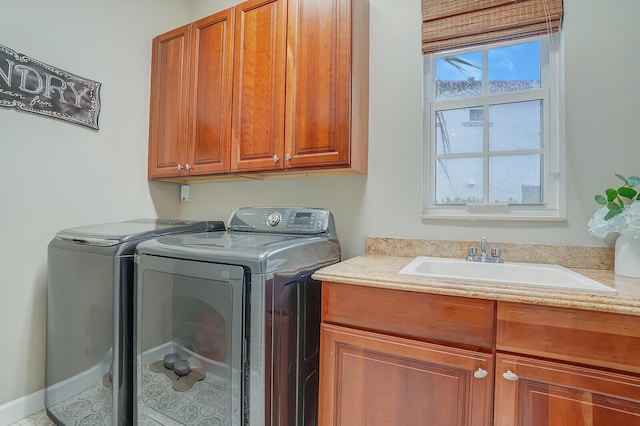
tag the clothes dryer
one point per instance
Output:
(228, 324)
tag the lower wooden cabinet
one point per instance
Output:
(396, 358)
(373, 379)
(563, 391)
(532, 392)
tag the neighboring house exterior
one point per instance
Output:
(511, 127)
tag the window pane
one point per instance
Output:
(515, 126)
(459, 76)
(514, 68)
(515, 179)
(459, 181)
(459, 130)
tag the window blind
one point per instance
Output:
(451, 24)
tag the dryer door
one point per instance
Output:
(189, 341)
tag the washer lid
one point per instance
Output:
(215, 245)
(111, 234)
(261, 252)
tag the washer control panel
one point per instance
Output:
(286, 220)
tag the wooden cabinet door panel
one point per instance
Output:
(552, 394)
(327, 84)
(168, 107)
(318, 82)
(259, 73)
(370, 379)
(211, 90)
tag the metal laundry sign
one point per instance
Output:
(33, 86)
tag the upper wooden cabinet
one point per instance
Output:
(258, 106)
(191, 83)
(315, 52)
(327, 102)
(168, 109)
(268, 86)
(210, 96)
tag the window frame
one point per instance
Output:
(553, 206)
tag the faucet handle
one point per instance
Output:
(473, 251)
(496, 252)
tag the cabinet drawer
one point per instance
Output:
(455, 320)
(596, 338)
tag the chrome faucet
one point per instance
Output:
(495, 256)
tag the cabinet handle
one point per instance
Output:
(179, 167)
(480, 373)
(287, 157)
(188, 166)
(276, 158)
(510, 375)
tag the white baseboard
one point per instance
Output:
(72, 386)
(22, 407)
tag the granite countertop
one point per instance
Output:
(380, 268)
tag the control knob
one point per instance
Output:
(274, 219)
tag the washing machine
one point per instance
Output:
(228, 323)
(89, 348)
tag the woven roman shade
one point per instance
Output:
(452, 24)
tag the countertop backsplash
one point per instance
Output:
(567, 256)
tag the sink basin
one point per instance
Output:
(521, 274)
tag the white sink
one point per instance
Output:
(521, 274)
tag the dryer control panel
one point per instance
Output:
(284, 220)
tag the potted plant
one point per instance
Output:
(620, 214)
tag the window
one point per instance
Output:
(491, 130)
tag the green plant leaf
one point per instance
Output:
(633, 181)
(622, 178)
(612, 194)
(600, 200)
(614, 209)
(627, 192)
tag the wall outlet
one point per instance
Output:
(185, 192)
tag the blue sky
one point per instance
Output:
(516, 62)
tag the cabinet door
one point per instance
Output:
(371, 379)
(211, 89)
(327, 81)
(259, 72)
(542, 393)
(168, 108)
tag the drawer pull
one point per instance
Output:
(480, 373)
(510, 375)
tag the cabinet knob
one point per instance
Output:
(480, 373)
(510, 375)
(188, 166)
(180, 167)
(287, 157)
(276, 158)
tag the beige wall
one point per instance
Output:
(57, 175)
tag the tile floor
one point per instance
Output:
(207, 402)
(38, 419)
